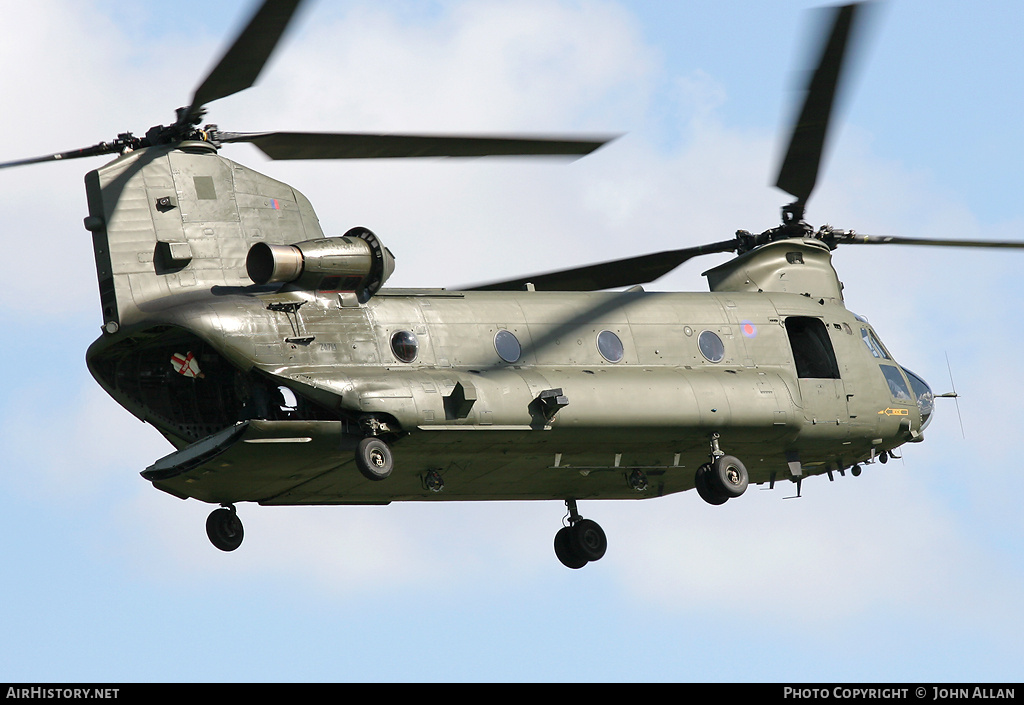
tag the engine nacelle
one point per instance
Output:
(356, 262)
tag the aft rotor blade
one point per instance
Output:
(244, 60)
(609, 275)
(314, 145)
(854, 239)
(799, 171)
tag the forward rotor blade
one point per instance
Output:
(244, 60)
(854, 239)
(313, 145)
(799, 171)
(101, 148)
(609, 275)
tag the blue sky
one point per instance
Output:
(911, 572)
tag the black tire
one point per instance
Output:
(373, 458)
(706, 488)
(224, 529)
(728, 476)
(588, 539)
(566, 551)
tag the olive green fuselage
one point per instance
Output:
(459, 409)
(265, 389)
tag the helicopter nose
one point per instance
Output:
(924, 396)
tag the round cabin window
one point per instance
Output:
(609, 345)
(405, 346)
(507, 346)
(711, 346)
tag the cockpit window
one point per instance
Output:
(897, 386)
(874, 345)
(923, 394)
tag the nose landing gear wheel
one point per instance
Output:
(730, 475)
(373, 458)
(721, 480)
(224, 529)
(707, 492)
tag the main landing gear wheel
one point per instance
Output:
(373, 458)
(588, 539)
(581, 542)
(566, 551)
(225, 528)
(721, 480)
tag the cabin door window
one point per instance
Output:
(812, 349)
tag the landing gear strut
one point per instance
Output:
(225, 528)
(581, 542)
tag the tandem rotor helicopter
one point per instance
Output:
(284, 372)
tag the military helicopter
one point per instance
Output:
(284, 372)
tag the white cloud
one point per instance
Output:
(840, 554)
(74, 444)
(476, 66)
